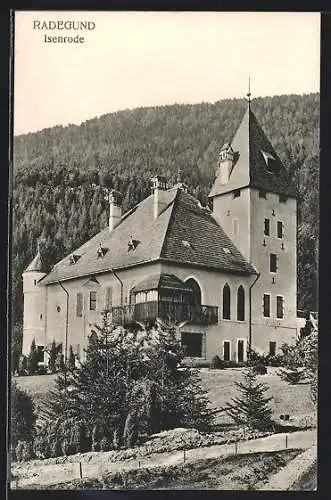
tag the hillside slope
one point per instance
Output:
(59, 172)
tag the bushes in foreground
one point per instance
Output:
(132, 384)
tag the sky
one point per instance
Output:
(133, 59)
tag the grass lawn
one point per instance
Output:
(37, 385)
(291, 399)
(241, 472)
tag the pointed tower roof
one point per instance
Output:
(256, 163)
(36, 265)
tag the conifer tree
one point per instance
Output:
(52, 357)
(252, 408)
(71, 359)
(130, 382)
(33, 359)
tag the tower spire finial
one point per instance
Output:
(249, 91)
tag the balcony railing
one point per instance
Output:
(169, 311)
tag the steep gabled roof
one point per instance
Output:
(252, 149)
(36, 265)
(184, 233)
(194, 237)
(139, 223)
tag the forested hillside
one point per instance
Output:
(59, 172)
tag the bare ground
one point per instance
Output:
(241, 472)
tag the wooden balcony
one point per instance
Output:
(171, 312)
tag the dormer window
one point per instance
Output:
(270, 161)
(101, 251)
(73, 258)
(186, 243)
(236, 193)
(132, 244)
(282, 198)
(262, 194)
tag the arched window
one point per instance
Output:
(196, 296)
(241, 304)
(226, 302)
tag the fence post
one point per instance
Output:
(184, 455)
(236, 447)
(80, 471)
(286, 441)
(138, 464)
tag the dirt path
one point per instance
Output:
(289, 474)
(61, 473)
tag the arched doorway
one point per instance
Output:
(195, 297)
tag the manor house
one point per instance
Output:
(226, 276)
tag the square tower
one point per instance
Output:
(254, 200)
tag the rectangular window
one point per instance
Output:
(236, 193)
(262, 194)
(192, 343)
(266, 305)
(93, 301)
(240, 351)
(79, 304)
(272, 348)
(279, 229)
(267, 227)
(280, 307)
(226, 350)
(282, 198)
(273, 263)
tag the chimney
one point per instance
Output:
(115, 208)
(159, 188)
(225, 163)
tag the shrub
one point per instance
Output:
(23, 365)
(22, 415)
(277, 360)
(42, 370)
(43, 442)
(259, 369)
(24, 451)
(234, 364)
(216, 363)
(196, 363)
(16, 346)
(253, 357)
(105, 444)
(292, 376)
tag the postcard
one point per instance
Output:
(165, 233)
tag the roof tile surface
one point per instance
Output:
(184, 233)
